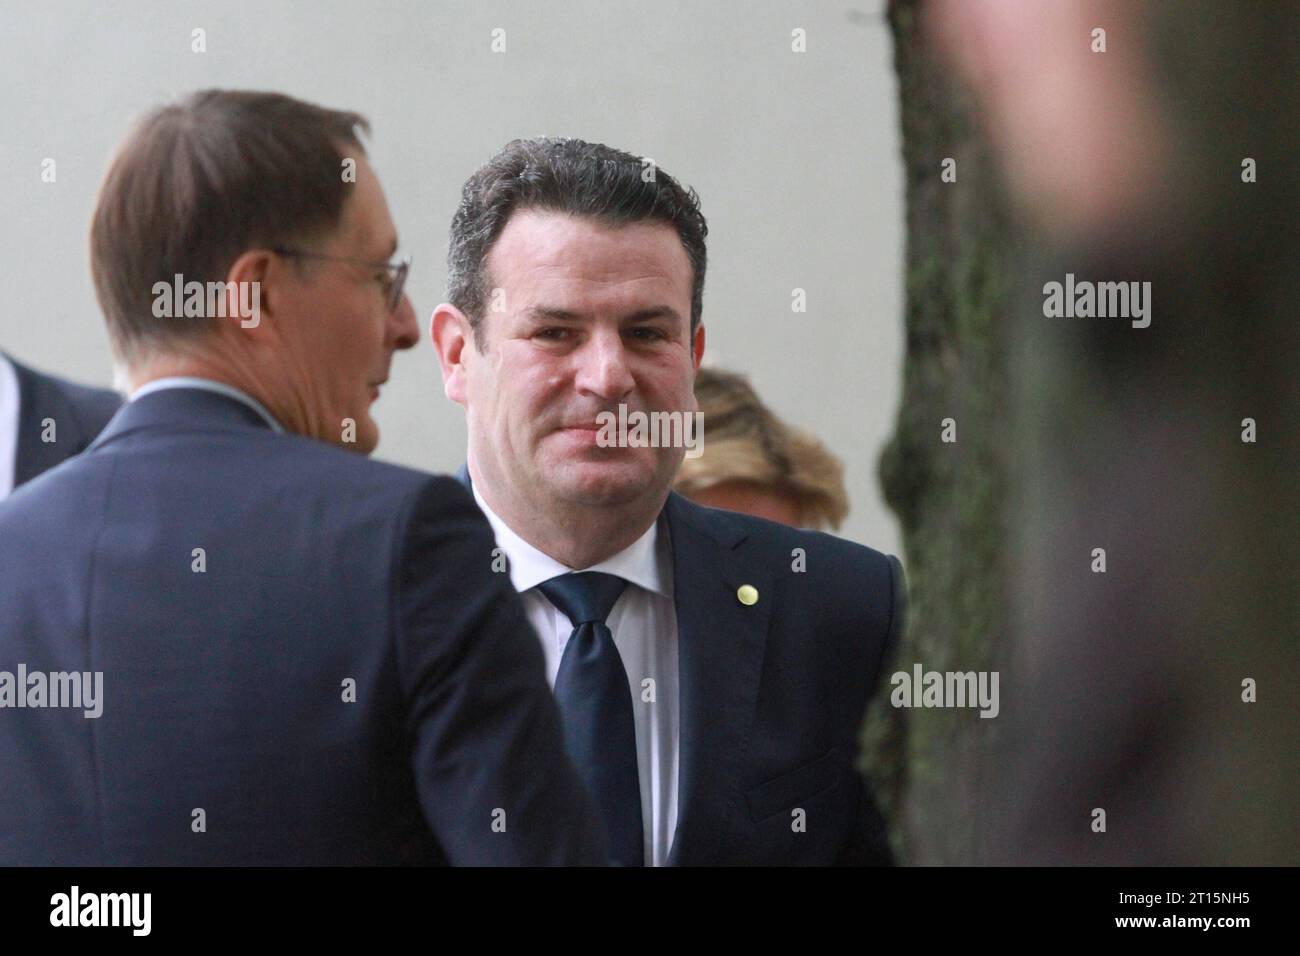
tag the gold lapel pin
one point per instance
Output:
(747, 594)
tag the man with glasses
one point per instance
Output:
(390, 275)
(282, 653)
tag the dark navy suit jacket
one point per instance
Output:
(79, 413)
(346, 682)
(773, 694)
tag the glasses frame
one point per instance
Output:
(400, 269)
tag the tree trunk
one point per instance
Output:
(948, 495)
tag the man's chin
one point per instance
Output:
(357, 433)
(605, 483)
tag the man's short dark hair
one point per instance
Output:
(569, 176)
(200, 182)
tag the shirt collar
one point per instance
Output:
(208, 385)
(644, 562)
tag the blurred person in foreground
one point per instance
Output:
(755, 463)
(226, 637)
(1159, 693)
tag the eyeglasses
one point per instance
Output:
(393, 283)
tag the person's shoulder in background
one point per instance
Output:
(90, 406)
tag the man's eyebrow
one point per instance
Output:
(552, 314)
(564, 315)
(650, 314)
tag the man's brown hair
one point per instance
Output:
(198, 183)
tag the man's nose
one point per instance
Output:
(603, 368)
(403, 329)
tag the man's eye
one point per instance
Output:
(649, 334)
(553, 334)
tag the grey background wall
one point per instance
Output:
(795, 157)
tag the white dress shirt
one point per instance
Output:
(10, 400)
(207, 385)
(644, 624)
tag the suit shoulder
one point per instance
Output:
(833, 564)
(336, 465)
(94, 406)
(841, 579)
(782, 539)
(350, 466)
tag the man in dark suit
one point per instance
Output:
(223, 639)
(45, 420)
(712, 669)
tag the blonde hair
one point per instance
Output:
(745, 442)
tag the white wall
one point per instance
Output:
(795, 156)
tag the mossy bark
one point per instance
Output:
(948, 496)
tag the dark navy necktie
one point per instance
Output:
(596, 707)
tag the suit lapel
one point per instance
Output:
(720, 660)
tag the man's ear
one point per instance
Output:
(249, 284)
(452, 335)
(697, 346)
